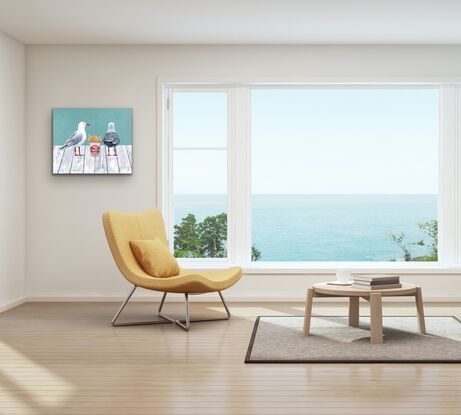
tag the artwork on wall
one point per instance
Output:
(92, 141)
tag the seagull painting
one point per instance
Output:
(76, 139)
(111, 139)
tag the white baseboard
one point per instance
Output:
(12, 304)
(230, 299)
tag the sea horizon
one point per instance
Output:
(326, 227)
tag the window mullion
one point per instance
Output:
(448, 227)
(241, 159)
(165, 149)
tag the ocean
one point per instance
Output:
(326, 227)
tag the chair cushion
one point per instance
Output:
(155, 258)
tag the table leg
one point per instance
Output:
(376, 318)
(420, 310)
(354, 311)
(308, 312)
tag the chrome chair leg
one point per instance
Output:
(162, 302)
(225, 305)
(185, 323)
(176, 321)
(135, 323)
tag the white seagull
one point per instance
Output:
(77, 138)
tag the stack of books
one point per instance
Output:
(376, 281)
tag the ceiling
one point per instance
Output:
(232, 21)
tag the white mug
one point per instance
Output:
(342, 276)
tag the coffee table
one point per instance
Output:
(374, 297)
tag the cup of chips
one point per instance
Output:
(95, 144)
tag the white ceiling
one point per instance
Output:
(232, 21)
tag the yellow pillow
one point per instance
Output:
(155, 258)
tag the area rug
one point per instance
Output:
(281, 340)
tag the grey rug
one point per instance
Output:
(281, 340)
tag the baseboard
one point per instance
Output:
(230, 299)
(12, 304)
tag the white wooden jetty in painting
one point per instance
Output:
(65, 162)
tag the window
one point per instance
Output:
(199, 164)
(324, 174)
(344, 174)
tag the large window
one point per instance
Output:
(344, 174)
(304, 174)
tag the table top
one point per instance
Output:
(348, 291)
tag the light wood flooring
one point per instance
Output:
(65, 358)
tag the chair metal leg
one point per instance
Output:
(225, 306)
(185, 324)
(136, 323)
(176, 321)
(162, 302)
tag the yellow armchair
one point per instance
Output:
(122, 227)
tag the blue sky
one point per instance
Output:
(315, 141)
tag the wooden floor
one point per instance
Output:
(66, 162)
(65, 358)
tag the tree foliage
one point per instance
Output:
(431, 229)
(187, 242)
(213, 236)
(255, 254)
(399, 241)
(205, 239)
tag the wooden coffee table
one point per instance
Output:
(374, 297)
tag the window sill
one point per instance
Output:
(316, 268)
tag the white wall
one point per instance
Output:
(66, 250)
(12, 171)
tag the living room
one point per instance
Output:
(204, 202)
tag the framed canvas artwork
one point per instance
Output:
(92, 141)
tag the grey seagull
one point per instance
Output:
(77, 138)
(111, 139)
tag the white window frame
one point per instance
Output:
(167, 161)
(239, 176)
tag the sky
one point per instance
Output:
(314, 141)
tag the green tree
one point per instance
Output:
(187, 238)
(255, 253)
(431, 229)
(399, 241)
(213, 236)
(206, 239)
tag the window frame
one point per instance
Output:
(168, 160)
(239, 175)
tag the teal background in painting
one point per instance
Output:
(65, 122)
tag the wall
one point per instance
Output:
(67, 254)
(12, 172)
